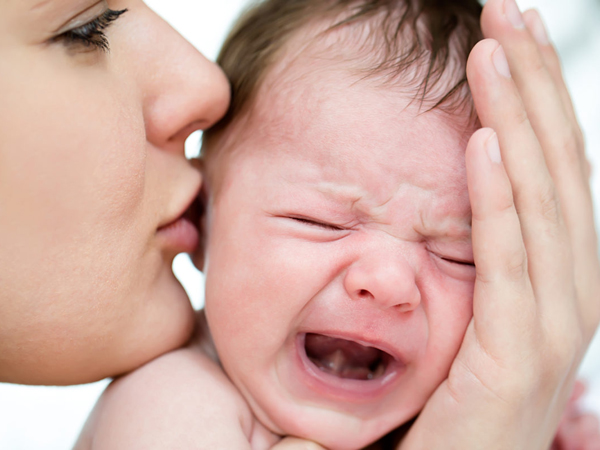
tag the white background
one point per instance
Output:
(48, 418)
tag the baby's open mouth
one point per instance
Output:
(346, 359)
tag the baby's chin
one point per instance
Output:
(320, 390)
(336, 425)
(335, 430)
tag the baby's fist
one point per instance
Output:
(292, 443)
(577, 431)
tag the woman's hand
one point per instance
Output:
(537, 291)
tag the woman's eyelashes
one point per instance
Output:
(91, 36)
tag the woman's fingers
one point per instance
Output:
(499, 106)
(536, 72)
(577, 203)
(537, 29)
(543, 92)
(502, 280)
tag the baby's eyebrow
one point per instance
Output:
(454, 226)
(454, 229)
(347, 196)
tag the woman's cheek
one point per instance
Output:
(119, 156)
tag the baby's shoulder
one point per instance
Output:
(182, 399)
(181, 376)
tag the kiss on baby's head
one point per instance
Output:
(338, 260)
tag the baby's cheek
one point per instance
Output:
(449, 308)
(261, 438)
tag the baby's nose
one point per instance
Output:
(388, 281)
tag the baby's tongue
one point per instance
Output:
(343, 358)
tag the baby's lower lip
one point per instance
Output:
(355, 385)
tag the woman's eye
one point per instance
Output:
(315, 223)
(91, 35)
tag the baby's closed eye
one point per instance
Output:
(318, 223)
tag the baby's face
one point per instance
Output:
(339, 272)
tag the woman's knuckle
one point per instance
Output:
(571, 147)
(548, 203)
(536, 62)
(522, 119)
(516, 265)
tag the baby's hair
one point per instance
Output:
(422, 44)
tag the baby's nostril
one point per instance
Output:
(364, 293)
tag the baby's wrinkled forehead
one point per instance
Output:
(348, 106)
(361, 143)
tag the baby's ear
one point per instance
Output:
(199, 215)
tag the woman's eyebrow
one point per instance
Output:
(40, 5)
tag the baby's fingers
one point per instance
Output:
(580, 432)
(292, 443)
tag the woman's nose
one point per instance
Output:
(183, 91)
(385, 279)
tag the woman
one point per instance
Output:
(97, 100)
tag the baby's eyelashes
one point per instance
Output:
(463, 269)
(318, 223)
(456, 261)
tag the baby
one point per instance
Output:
(337, 253)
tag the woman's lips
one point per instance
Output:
(180, 236)
(325, 376)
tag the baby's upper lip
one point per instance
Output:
(365, 340)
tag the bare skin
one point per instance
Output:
(92, 173)
(526, 294)
(538, 278)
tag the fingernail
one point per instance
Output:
(500, 62)
(538, 30)
(492, 148)
(513, 14)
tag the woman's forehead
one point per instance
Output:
(35, 5)
(48, 10)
